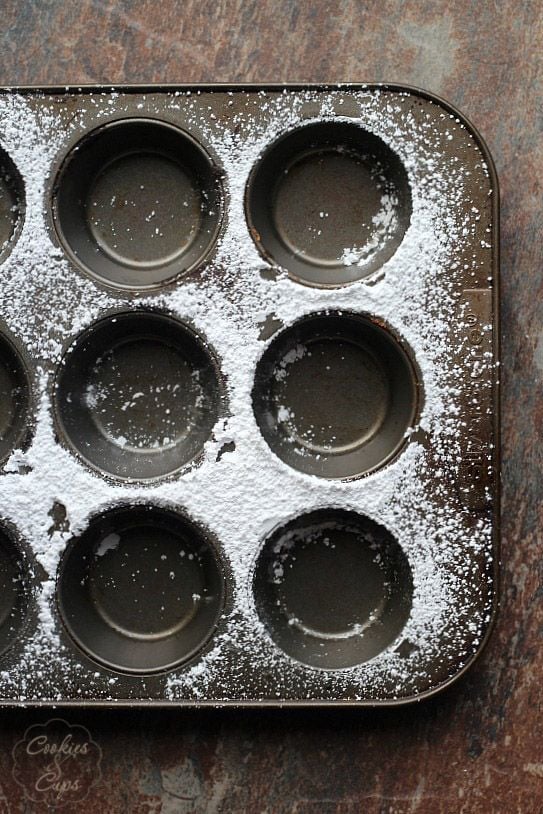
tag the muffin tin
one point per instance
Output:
(249, 415)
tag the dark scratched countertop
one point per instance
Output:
(479, 746)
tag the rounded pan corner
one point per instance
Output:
(447, 683)
(450, 108)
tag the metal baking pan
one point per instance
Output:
(249, 348)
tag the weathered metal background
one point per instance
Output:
(479, 747)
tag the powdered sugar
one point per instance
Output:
(385, 223)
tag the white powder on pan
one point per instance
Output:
(241, 497)
(385, 223)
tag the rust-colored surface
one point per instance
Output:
(478, 747)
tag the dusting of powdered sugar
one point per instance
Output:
(243, 496)
(385, 224)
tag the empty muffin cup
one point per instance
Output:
(14, 399)
(333, 589)
(14, 589)
(136, 203)
(137, 395)
(329, 202)
(141, 590)
(11, 203)
(335, 395)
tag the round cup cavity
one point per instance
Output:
(334, 395)
(11, 203)
(137, 203)
(333, 589)
(14, 398)
(330, 202)
(141, 590)
(137, 395)
(15, 589)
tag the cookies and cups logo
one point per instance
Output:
(56, 763)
